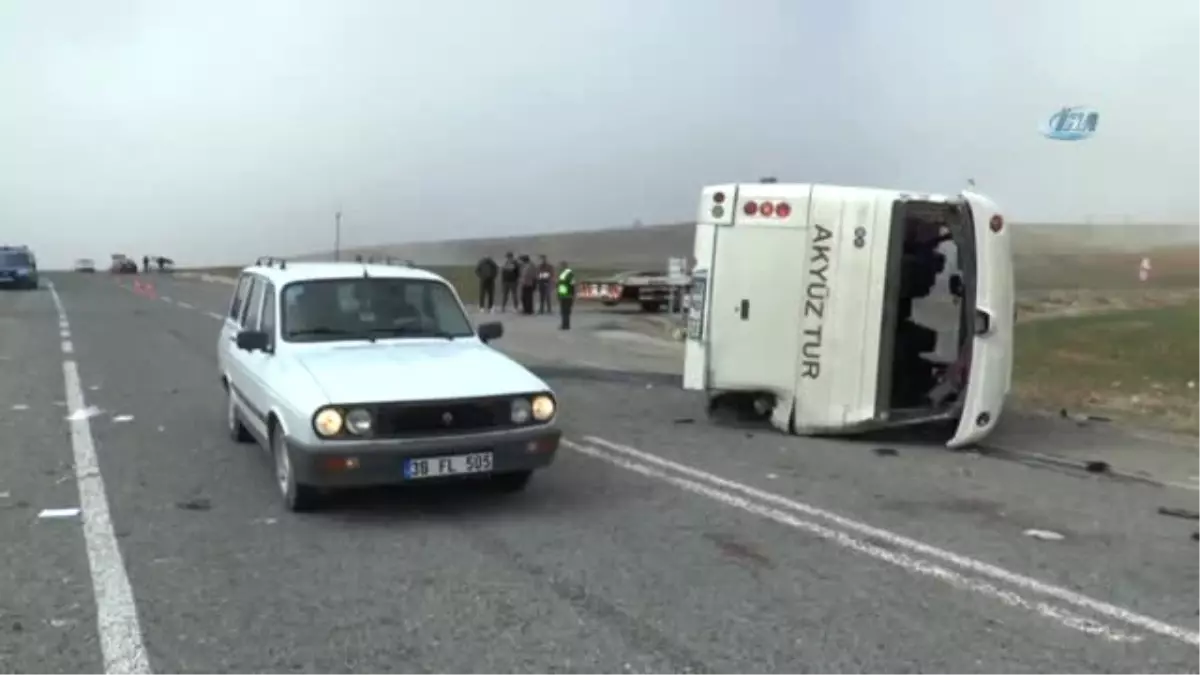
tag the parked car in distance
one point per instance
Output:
(85, 265)
(18, 268)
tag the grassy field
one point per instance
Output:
(1137, 365)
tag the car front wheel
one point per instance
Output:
(296, 497)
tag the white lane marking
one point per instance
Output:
(64, 333)
(67, 347)
(899, 559)
(165, 298)
(184, 304)
(977, 566)
(121, 642)
(216, 316)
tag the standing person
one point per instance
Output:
(145, 263)
(545, 275)
(509, 273)
(566, 293)
(486, 272)
(528, 284)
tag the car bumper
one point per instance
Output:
(18, 282)
(381, 461)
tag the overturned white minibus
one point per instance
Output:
(848, 309)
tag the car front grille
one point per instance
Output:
(443, 418)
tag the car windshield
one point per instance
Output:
(371, 308)
(14, 259)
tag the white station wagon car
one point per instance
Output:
(355, 375)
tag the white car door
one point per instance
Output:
(250, 364)
(231, 325)
(992, 347)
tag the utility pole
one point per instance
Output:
(337, 236)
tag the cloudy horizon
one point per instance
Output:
(213, 131)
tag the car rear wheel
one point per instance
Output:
(296, 497)
(233, 421)
(512, 482)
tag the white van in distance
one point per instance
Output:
(840, 310)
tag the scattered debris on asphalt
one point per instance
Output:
(198, 504)
(58, 513)
(685, 420)
(1179, 513)
(886, 452)
(1082, 418)
(1096, 466)
(1044, 535)
(84, 413)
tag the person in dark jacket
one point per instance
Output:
(486, 272)
(528, 284)
(545, 281)
(510, 273)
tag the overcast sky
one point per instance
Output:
(214, 130)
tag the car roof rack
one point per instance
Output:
(271, 261)
(385, 260)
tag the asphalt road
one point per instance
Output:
(657, 542)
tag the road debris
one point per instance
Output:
(58, 513)
(1178, 513)
(198, 504)
(84, 413)
(685, 420)
(1096, 466)
(1044, 535)
(1082, 418)
(886, 452)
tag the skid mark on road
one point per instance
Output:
(120, 633)
(776, 507)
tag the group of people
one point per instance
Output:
(523, 281)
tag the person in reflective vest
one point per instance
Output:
(566, 293)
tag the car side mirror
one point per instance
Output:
(253, 340)
(491, 331)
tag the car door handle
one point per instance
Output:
(744, 309)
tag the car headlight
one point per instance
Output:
(358, 422)
(543, 407)
(328, 422)
(521, 411)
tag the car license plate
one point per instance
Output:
(450, 465)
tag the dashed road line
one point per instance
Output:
(216, 316)
(184, 304)
(121, 642)
(736, 494)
